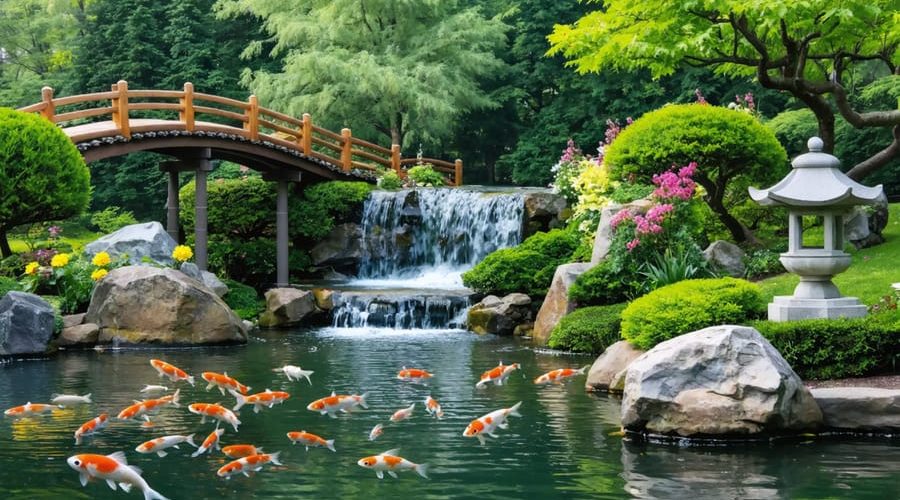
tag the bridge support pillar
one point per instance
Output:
(172, 206)
(201, 235)
(282, 238)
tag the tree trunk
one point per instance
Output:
(5, 250)
(739, 232)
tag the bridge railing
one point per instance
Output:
(133, 111)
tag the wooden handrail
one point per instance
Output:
(254, 122)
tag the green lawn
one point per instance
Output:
(869, 277)
(78, 241)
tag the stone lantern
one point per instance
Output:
(817, 187)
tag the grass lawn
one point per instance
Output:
(869, 277)
(78, 241)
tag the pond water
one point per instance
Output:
(564, 446)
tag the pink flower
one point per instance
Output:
(632, 244)
(570, 152)
(672, 185)
(700, 98)
(620, 217)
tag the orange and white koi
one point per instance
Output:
(335, 403)
(64, 400)
(376, 431)
(413, 375)
(149, 407)
(497, 375)
(246, 465)
(269, 398)
(389, 462)
(114, 469)
(557, 376)
(403, 414)
(309, 439)
(241, 450)
(209, 442)
(171, 371)
(91, 427)
(215, 411)
(295, 373)
(154, 388)
(433, 407)
(160, 444)
(223, 382)
(491, 422)
(29, 409)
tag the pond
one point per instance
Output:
(565, 445)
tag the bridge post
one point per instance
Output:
(282, 238)
(49, 110)
(172, 206)
(395, 159)
(201, 211)
(346, 150)
(457, 172)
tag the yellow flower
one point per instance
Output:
(182, 253)
(99, 273)
(32, 268)
(59, 260)
(101, 259)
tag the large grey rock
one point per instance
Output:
(613, 361)
(556, 304)
(544, 210)
(499, 316)
(719, 381)
(863, 225)
(342, 248)
(26, 324)
(287, 307)
(83, 335)
(150, 305)
(603, 237)
(208, 279)
(727, 257)
(147, 239)
(864, 409)
(70, 320)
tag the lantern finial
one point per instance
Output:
(815, 145)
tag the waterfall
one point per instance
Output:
(399, 310)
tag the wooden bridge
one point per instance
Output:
(195, 128)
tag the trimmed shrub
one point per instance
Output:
(325, 205)
(243, 300)
(390, 180)
(690, 305)
(590, 329)
(426, 175)
(603, 284)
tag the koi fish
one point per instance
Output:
(335, 403)
(149, 407)
(375, 432)
(173, 372)
(223, 382)
(91, 427)
(160, 444)
(491, 422)
(433, 407)
(268, 399)
(403, 414)
(64, 400)
(114, 469)
(215, 411)
(241, 450)
(209, 442)
(246, 465)
(295, 373)
(389, 462)
(28, 409)
(309, 439)
(154, 388)
(413, 375)
(557, 376)
(497, 375)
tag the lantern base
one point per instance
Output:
(789, 308)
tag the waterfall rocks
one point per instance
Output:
(544, 210)
(727, 257)
(287, 307)
(860, 409)
(208, 279)
(556, 304)
(400, 309)
(719, 381)
(605, 370)
(26, 324)
(137, 241)
(83, 335)
(499, 316)
(150, 305)
(341, 250)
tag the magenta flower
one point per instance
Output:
(620, 217)
(632, 244)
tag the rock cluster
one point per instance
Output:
(500, 316)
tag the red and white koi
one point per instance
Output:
(433, 407)
(215, 411)
(269, 398)
(91, 427)
(497, 375)
(309, 439)
(403, 414)
(149, 407)
(246, 465)
(375, 432)
(241, 450)
(29, 409)
(160, 444)
(389, 462)
(223, 382)
(209, 442)
(413, 375)
(114, 469)
(557, 376)
(335, 403)
(491, 422)
(171, 371)
(295, 373)
(64, 400)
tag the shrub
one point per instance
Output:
(426, 175)
(603, 284)
(112, 219)
(243, 300)
(837, 348)
(590, 329)
(390, 180)
(11, 267)
(42, 175)
(326, 204)
(690, 305)
(8, 285)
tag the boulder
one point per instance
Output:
(151, 305)
(208, 279)
(864, 409)
(342, 248)
(727, 257)
(544, 210)
(863, 225)
(524, 329)
(137, 241)
(717, 382)
(71, 320)
(26, 324)
(556, 304)
(604, 235)
(83, 335)
(324, 298)
(614, 360)
(499, 316)
(287, 307)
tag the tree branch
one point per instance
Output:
(879, 159)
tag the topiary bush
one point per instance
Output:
(390, 180)
(690, 305)
(604, 283)
(589, 329)
(426, 175)
(243, 300)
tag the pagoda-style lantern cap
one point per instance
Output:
(816, 181)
